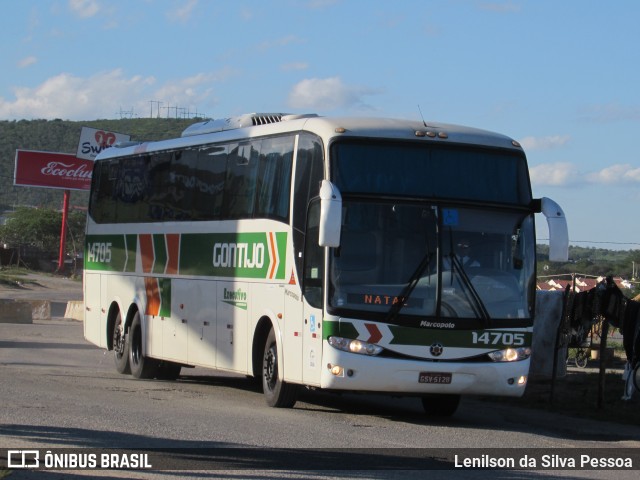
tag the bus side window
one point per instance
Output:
(274, 178)
(211, 172)
(308, 175)
(240, 183)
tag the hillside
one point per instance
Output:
(591, 261)
(62, 136)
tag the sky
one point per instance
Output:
(560, 76)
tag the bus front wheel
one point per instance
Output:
(277, 392)
(141, 366)
(443, 405)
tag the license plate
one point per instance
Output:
(434, 377)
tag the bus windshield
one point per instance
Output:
(409, 262)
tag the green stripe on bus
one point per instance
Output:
(484, 339)
(460, 338)
(338, 329)
(232, 255)
(160, 253)
(131, 242)
(281, 245)
(105, 253)
(164, 285)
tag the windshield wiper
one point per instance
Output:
(406, 292)
(475, 301)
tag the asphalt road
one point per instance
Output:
(57, 391)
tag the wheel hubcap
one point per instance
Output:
(118, 341)
(270, 368)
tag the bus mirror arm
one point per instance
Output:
(558, 230)
(330, 215)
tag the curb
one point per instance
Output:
(26, 311)
(75, 310)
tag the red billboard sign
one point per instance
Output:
(52, 170)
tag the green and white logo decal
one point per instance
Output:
(236, 298)
(237, 255)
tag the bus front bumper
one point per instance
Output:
(355, 372)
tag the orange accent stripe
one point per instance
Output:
(146, 250)
(173, 250)
(153, 295)
(274, 263)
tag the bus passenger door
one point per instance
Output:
(292, 332)
(312, 345)
(231, 326)
(313, 288)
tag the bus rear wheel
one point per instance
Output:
(443, 405)
(277, 392)
(141, 366)
(121, 347)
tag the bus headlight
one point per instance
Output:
(354, 346)
(510, 354)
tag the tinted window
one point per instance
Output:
(309, 173)
(274, 178)
(212, 182)
(431, 171)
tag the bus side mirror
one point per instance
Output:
(558, 231)
(330, 215)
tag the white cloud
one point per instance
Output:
(191, 90)
(554, 174)
(84, 8)
(295, 66)
(563, 174)
(27, 61)
(183, 13)
(279, 42)
(610, 112)
(327, 94)
(616, 174)
(103, 94)
(544, 143)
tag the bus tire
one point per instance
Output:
(278, 393)
(636, 376)
(121, 347)
(443, 405)
(141, 366)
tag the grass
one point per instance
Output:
(15, 277)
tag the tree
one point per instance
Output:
(35, 227)
(39, 229)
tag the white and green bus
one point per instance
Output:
(346, 254)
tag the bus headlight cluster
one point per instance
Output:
(510, 354)
(354, 346)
